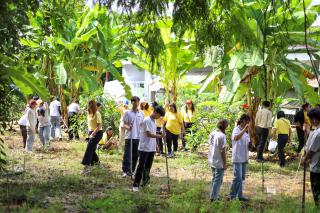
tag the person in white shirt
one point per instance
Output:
(31, 125)
(217, 157)
(240, 156)
(132, 121)
(147, 147)
(73, 110)
(55, 112)
(44, 123)
(312, 155)
(23, 127)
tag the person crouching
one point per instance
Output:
(147, 147)
(217, 157)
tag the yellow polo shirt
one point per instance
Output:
(147, 112)
(174, 122)
(93, 122)
(282, 126)
(188, 116)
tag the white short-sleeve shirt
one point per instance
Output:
(73, 107)
(240, 148)
(217, 142)
(54, 108)
(146, 143)
(313, 144)
(134, 119)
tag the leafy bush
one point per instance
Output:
(208, 114)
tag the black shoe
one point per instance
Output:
(245, 199)
(260, 160)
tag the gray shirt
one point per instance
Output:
(135, 120)
(313, 144)
(146, 143)
(217, 142)
(240, 148)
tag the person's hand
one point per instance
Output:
(246, 127)
(91, 136)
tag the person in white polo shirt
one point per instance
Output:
(147, 147)
(132, 120)
(73, 110)
(55, 112)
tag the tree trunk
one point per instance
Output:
(63, 104)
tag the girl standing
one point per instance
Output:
(95, 134)
(188, 119)
(240, 156)
(44, 123)
(31, 124)
(173, 122)
(145, 108)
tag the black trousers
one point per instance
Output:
(187, 130)
(301, 139)
(126, 162)
(72, 126)
(282, 141)
(90, 156)
(315, 186)
(171, 139)
(262, 136)
(159, 141)
(144, 167)
(23, 130)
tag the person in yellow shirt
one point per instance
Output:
(188, 119)
(95, 134)
(122, 109)
(303, 125)
(173, 121)
(282, 128)
(108, 141)
(145, 107)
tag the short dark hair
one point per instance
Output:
(222, 124)
(160, 110)
(266, 103)
(135, 98)
(314, 113)
(174, 107)
(99, 104)
(280, 114)
(35, 97)
(305, 105)
(109, 128)
(244, 117)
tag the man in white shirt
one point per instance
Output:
(55, 112)
(147, 147)
(73, 110)
(132, 120)
(312, 148)
(263, 123)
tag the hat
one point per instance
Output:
(125, 102)
(189, 101)
(143, 100)
(39, 101)
(109, 128)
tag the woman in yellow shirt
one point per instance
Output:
(173, 122)
(188, 119)
(145, 108)
(282, 129)
(95, 134)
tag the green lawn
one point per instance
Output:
(52, 183)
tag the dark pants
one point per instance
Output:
(159, 141)
(187, 128)
(144, 167)
(90, 156)
(315, 186)
(72, 126)
(171, 139)
(301, 139)
(282, 140)
(126, 162)
(23, 130)
(262, 137)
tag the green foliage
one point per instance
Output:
(208, 114)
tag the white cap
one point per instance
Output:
(144, 100)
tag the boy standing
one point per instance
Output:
(313, 154)
(147, 147)
(217, 158)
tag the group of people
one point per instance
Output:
(307, 122)
(44, 119)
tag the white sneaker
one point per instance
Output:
(135, 189)
(124, 175)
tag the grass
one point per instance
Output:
(52, 183)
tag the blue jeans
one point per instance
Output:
(55, 124)
(239, 172)
(44, 135)
(217, 176)
(30, 139)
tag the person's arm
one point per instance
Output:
(59, 109)
(224, 157)
(307, 157)
(99, 124)
(31, 121)
(126, 123)
(238, 136)
(151, 135)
